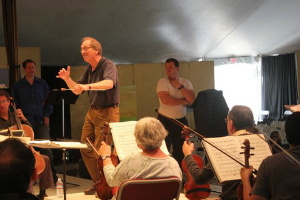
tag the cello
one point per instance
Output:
(28, 132)
(193, 191)
(103, 190)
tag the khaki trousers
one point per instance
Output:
(93, 129)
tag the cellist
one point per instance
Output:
(240, 121)
(278, 176)
(7, 120)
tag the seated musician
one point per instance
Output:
(150, 163)
(240, 121)
(275, 136)
(278, 175)
(17, 170)
(7, 120)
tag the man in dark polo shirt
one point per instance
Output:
(100, 74)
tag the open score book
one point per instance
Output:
(227, 169)
(124, 140)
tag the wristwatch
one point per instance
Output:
(104, 157)
(180, 87)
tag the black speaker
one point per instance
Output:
(210, 111)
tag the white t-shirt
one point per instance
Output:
(173, 111)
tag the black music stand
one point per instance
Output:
(58, 97)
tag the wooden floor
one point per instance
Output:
(75, 187)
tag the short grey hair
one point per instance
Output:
(94, 43)
(149, 133)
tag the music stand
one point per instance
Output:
(58, 97)
(63, 146)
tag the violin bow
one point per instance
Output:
(289, 156)
(204, 139)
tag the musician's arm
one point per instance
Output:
(201, 176)
(23, 119)
(168, 100)
(245, 176)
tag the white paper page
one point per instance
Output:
(40, 142)
(76, 145)
(261, 149)
(228, 169)
(124, 140)
(224, 166)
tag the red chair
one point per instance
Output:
(150, 189)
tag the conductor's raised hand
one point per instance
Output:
(64, 74)
(105, 150)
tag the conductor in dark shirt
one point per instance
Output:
(101, 74)
(29, 94)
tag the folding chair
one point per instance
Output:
(150, 189)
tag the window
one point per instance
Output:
(241, 84)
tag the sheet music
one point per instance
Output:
(23, 139)
(58, 144)
(124, 140)
(227, 169)
(224, 166)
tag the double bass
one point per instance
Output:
(103, 190)
(28, 132)
(192, 190)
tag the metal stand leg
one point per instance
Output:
(64, 173)
(63, 117)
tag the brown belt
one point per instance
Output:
(103, 107)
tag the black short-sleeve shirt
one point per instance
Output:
(105, 70)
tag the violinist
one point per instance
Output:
(240, 121)
(7, 120)
(275, 136)
(278, 176)
(150, 163)
(17, 173)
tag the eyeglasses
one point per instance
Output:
(226, 120)
(3, 102)
(84, 49)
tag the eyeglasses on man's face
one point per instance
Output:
(3, 102)
(84, 49)
(226, 120)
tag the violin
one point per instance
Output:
(28, 132)
(103, 190)
(191, 189)
(246, 147)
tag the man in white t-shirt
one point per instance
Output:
(174, 94)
